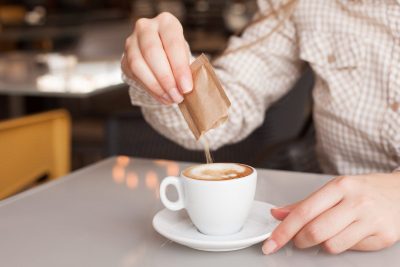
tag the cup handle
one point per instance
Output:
(175, 181)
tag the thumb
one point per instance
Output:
(280, 213)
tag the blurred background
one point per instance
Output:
(64, 54)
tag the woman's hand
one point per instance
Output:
(157, 56)
(351, 212)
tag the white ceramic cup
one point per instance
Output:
(216, 207)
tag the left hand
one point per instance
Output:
(350, 212)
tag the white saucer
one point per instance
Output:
(176, 226)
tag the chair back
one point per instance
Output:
(32, 147)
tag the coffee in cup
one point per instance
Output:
(217, 197)
(218, 171)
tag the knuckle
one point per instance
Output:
(142, 24)
(298, 241)
(302, 211)
(332, 247)
(179, 29)
(344, 182)
(166, 18)
(166, 80)
(128, 43)
(151, 48)
(388, 238)
(133, 70)
(133, 62)
(376, 223)
(313, 233)
(364, 202)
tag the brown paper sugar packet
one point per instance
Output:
(206, 106)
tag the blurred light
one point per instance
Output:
(133, 256)
(50, 83)
(152, 182)
(132, 180)
(118, 174)
(172, 169)
(57, 62)
(66, 74)
(123, 161)
(161, 162)
(36, 16)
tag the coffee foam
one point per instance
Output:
(218, 171)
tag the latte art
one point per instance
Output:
(218, 171)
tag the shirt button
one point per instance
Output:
(331, 58)
(395, 106)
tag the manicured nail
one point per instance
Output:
(175, 95)
(186, 85)
(283, 209)
(269, 246)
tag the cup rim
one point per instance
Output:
(254, 171)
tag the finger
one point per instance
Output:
(375, 242)
(153, 53)
(322, 228)
(318, 202)
(143, 74)
(188, 53)
(127, 71)
(171, 34)
(347, 238)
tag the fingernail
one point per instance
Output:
(175, 95)
(186, 85)
(269, 246)
(165, 97)
(281, 209)
(288, 208)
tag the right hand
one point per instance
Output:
(157, 55)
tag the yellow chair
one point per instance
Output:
(32, 147)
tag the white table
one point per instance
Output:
(101, 216)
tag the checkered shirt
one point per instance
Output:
(354, 49)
